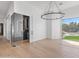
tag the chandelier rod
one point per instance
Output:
(50, 4)
(57, 6)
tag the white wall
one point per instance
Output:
(37, 25)
(49, 29)
(18, 26)
(7, 21)
(8, 28)
(1, 20)
(56, 29)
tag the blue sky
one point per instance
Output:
(68, 20)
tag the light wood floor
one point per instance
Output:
(41, 49)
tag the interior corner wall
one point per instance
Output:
(7, 21)
(39, 27)
(17, 23)
(54, 29)
(49, 29)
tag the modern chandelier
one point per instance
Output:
(53, 12)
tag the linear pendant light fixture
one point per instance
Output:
(53, 12)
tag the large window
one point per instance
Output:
(70, 29)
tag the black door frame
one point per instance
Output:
(26, 35)
(1, 24)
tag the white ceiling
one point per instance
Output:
(68, 4)
(65, 4)
(67, 7)
(4, 5)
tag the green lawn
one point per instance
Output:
(73, 38)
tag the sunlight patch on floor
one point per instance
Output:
(72, 42)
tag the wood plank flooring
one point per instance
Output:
(46, 48)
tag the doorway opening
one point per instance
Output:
(26, 27)
(20, 29)
(1, 29)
